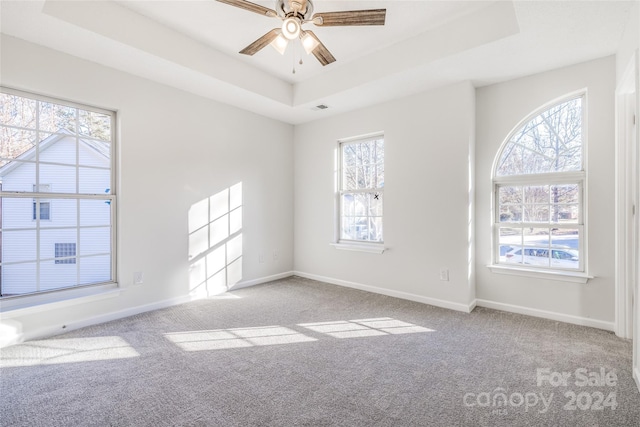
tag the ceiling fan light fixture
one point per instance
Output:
(291, 28)
(280, 44)
(309, 43)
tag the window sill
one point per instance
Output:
(563, 276)
(373, 248)
(31, 304)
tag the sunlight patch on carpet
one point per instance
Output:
(364, 327)
(69, 350)
(236, 338)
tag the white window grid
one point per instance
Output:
(368, 195)
(545, 179)
(550, 180)
(108, 197)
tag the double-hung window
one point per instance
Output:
(539, 186)
(361, 190)
(57, 203)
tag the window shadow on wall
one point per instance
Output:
(215, 242)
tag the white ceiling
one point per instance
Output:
(424, 44)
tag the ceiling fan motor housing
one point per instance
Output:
(301, 8)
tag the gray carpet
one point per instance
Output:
(299, 352)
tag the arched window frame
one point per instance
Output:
(578, 178)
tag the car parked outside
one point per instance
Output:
(560, 258)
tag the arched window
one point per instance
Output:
(538, 183)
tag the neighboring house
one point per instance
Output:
(69, 229)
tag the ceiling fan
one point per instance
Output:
(295, 13)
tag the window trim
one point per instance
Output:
(348, 244)
(46, 297)
(580, 275)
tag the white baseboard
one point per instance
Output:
(391, 293)
(261, 280)
(8, 337)
(636, 376)
(560, 317)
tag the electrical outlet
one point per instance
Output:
(138, 278)
(444, 275)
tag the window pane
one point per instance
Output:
(17, 111)
(57, 118)
(565, 248)
(57, 149)
(565, 206)
(536, 213)
(18, 279)
(17, 213)
(550, 142)
(95, 269)
(348, 228)
(94, 125)
(375, 229)
(62, 213)
(58, 274)
(15, 143)
(18, 245)
(18, 176)
(347, 205)
(62, 178)
(509, 241)
(94, 212)
(50, 238)
(380, 151)
(95, 181)
(510, 195)
(348, 167)
(565, 238)
(375, 204)
(536, 203)
(361, 204)
(95, 241)
(95, 153)
(536, 195)
(361, 228)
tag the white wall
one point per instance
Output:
(176, 149)
(630, 41)
(428, 144)
(499, 109)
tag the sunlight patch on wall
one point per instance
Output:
(69, 350)
(215, 242)
(236, 338)
(364, 327)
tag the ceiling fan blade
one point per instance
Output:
(252, 7)
(261, 42)
(321, 52)
(353, 17)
